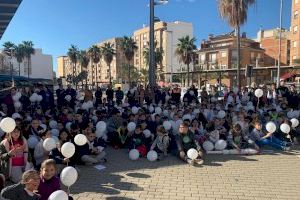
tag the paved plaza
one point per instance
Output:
(259, 177)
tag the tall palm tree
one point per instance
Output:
(8, 50)
(128, 46)
(94, 53)
(73, 53)
(20, 55)
(235, 12)
(84, 63)
(108, 53)
(186, 51)
(28, 51)
(158, 55)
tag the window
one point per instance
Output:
(295, 29)
(202, 58)
(296, 14)
(294, 44)
(294, 57)
(223, 54)
(213, 58)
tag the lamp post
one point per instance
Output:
(279, 53)
(152, 81)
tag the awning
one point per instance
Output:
(8, 9)
(287, 76)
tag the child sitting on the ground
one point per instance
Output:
(92, 152)
(161, 142)
(185, 141)
(49, 181)
(25, 190)
(138, 141)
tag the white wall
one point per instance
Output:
(41, 64)
(176, 30)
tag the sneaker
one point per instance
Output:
(199, 161)
(190, 161)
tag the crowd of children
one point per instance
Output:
(143, 119)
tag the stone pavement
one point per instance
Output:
(259, 177)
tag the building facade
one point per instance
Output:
(98, 73)
(269, 41)
(220, 53)
(41, 65)
(295, 32)
(166, 36)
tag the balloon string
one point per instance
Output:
(68, 190)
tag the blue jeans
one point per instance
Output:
(271, 141)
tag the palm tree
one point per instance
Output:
(73, 53)
(186, 51)
(158, 55)
(28, 51)
(108, 53)
(235, 12)
(128, 46)
(20, 55)
(94, 53)
(8, 50)
(84, 63)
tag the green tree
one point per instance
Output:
(84, 63)
(158, 57)
(128, 46)
(8, 50)
(20, 55)
(28, 52)
(73, 53)
(108, 53)
(186, 52)
(95, 55)
(235, 12)
(144, 76)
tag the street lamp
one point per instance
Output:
(152, 81)
(279, 54)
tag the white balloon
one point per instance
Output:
(192, 154)
(68, 176)
(68, 149)
(290, 114)
(221, 114)
(158, 110)
(17, 104)
(152, 156)
(167, 125)
(58, 195)
(32, 99)
(220, 145)
(192, 93)
(258, 93)
(15, 98)
(49, 144)
(131, 126)
(271, 127)
(134, 110)
(166, 113)
(39, 98)
(134, 154)
(100, 133)
(55, 132)
(187, 117)
(53, 124)
(16, 115)
(68, 97)
(208, 146)
(101, 126)
(295, 122)
(44, 126)
(80, 139)
(285, 128)
(32, 142)
(68, 125)
(8, 124)
(147, 133)
(151, 109)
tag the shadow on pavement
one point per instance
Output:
(118, 198)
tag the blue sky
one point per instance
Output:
(54, 25)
